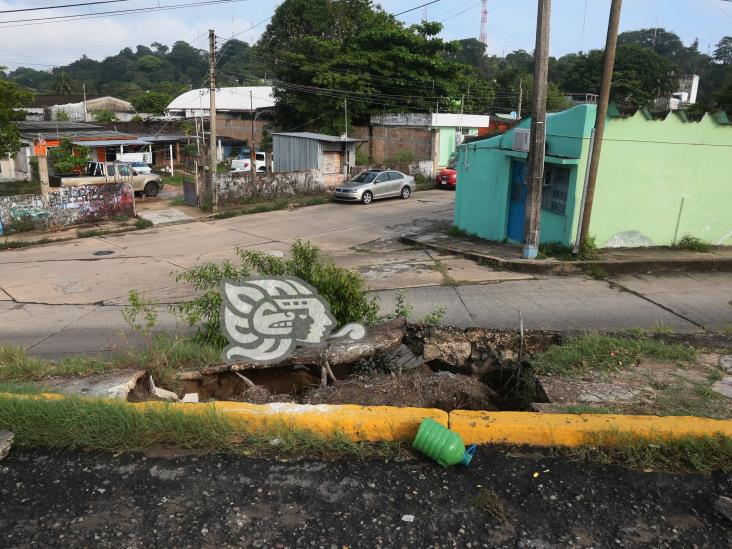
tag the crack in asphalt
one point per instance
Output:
(49, 336)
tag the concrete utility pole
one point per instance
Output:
(535, 176)
(252, 152)
(212, 152)
(607, 78)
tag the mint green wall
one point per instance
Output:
(481, 204)
(447, 145)
(648, 167)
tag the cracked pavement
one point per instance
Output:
(67, 297)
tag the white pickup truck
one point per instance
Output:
(111, 172)
(242, 163)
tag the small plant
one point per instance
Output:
(489, 501)
(692, 243)
(68, 158)
(403, 156)
(587, 251)
(62, 116)
(595, 271)
(137, 119)
(140, 315)
(362, 157)
(402, 308)
(435, 317)
(89, 234)
(105, 116)
(141, 223)
(457, 232)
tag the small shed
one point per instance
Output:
(333, 156)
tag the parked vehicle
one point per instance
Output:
(140, 168)
(374, 184)
(242, 163)
(111, 172)
(447, 177)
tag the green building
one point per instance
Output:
(658, 180)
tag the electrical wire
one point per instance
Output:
(104, 14)
(39, 8)
(415, 8)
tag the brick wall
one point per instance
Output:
(66, 206)
(238, 188)
(240, 129)
(386, 143)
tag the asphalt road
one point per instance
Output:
(71, 499)
(66, 298)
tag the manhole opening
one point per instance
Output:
(103, 252)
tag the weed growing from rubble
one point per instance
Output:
(693, 244)
(489, 501)
(606, 354)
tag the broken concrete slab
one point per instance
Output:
(726, 363)
(723, 386)
(6, 441)
(115, 385)
(723, 506)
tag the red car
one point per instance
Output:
(447, 177)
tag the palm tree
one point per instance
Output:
(61, 84)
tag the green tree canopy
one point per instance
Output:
(723, 51)
(152, 102)
(320, 52)
(12, 98)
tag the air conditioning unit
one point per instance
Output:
(521, 139)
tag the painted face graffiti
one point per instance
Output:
(265, 319)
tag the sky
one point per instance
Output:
(575, 25)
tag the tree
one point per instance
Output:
(724, 98)
(152, 102)
(66, 158)
(320, 52)
(12, 97)
(61, 84)
(664, 43)
(149, 63)
(723, 51)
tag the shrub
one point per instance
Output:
(692, 243)
(105, 116)
(404, 155)
(342, 289)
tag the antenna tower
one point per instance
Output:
(484, 22)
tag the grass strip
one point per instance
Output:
(606, 354)
(110, 426)
(658, 453)
(17, 366)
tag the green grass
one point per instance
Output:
(90, 233)
(606, 354)
(12, 188)
(595, 271)
(177, 201)
(17, 366)
(457, 232)
(175, 180)
(693, 244)
(587, 252)
(15, 244)
(695, 399)
(110, 426)
(581, 409)
(682, 455)
(141, 223)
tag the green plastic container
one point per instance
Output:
(441, 444)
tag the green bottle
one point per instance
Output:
(441, 444)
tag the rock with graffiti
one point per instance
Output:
(65, 206)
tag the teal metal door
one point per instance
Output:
(517, 203)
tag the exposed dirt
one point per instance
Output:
(420, 388)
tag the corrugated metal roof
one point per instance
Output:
(111, 142)
(319, 137)
(227, 99)
(53, 125)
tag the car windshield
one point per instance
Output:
(365, 177)
(139, 165)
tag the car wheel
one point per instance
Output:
(151, 189)
(406, 191)
(367, 197)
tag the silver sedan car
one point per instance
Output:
(374, 184)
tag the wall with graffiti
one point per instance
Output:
(65, 206)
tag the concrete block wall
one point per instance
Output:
(238, 187)
(66, 206)
(385, 143)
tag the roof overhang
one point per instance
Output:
(111, 142)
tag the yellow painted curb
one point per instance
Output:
(571, 429)
(359, 423)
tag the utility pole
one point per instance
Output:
(252, 152)
(521, 98)
(212, 152)
(345, 117)
(602, 103)
(535, 177)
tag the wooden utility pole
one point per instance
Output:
(252, 152)
(521, 98)
(535, 176)
(212, 152)
(602, 103)
(345, 117)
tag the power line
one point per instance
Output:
(415, 8)
(39, 8)
(113, 13)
